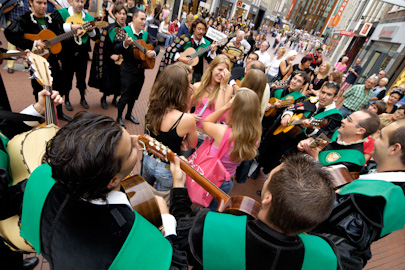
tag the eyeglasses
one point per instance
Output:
(348, 118)
(334, 83)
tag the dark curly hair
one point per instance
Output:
(82, 155)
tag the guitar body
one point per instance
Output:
(188, 52)
(77, 21)
(341, 175)
(240, 206)
(292, 130)
(147, 63)
(273, 110)
(142, 199)
(45, 35)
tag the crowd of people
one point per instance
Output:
(256, 113)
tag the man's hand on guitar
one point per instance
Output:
(185, 60)
(179, 177)
(40, 44)
(214, 47)
(150, 54)
(302, 144)
(128, 41)
(277, 105)
(115, 57)
(40, 105)
(305, 123)
(286, 120)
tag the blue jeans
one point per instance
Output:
(155, 171)
(345, 111)
(226, 187)
(168, 38)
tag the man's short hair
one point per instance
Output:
(257, 56)
(332, 85)
(136, 12)
(370, 124)
(303, 74)
(302, 195)
(257, 65)
(82, 155)
(398, 136)
(197, 21)
(319, 49)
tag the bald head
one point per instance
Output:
(255, 65)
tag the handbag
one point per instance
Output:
(210, 166)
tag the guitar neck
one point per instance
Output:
(61, 37)
(140, 47)
(200, 52)
(50, 109)
(6, 55)
(206, 184)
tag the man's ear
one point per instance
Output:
(114, 181)
(267, 199)
(395, 149)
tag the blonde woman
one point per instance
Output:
(320, 77)
(245, 131)
(273, 71)
(256, 80)
(164, 30)
(213, 92)
(286, 64)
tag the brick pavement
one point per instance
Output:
(388, 253)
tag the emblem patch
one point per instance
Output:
(332, 157)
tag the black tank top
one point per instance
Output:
(170, 138)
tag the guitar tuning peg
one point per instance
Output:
(151, 143)
(158, 147)
(164, 152)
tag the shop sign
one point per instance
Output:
(346, 33)
(336, 18)
(388, 31)
(365, 29)
(239, 4)
(291, 9)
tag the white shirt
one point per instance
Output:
(264, 58)
(118, 197)
(274, 67)
(244, 43)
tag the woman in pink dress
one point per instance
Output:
(341, 66)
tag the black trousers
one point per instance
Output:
(75, 63)
(132, 79)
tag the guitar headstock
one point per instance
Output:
(88, 25)
(157, 149)
(318, 123)
(40, 68)
(120, 33)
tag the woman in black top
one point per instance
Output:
(394, 97)
(320, 77)
(303, 66)
(168, 122)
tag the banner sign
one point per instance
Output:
(215, 34)
(291, 9)
(365, 29)
(335, 19)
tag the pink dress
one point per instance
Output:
(208, 110)
(229, 165)
(340, 68)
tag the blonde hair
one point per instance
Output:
(255, 80)
(328, 66)
(206, 80)
(244, 118)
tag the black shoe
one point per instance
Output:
(119, 120)
(30, 263)
(132, 119)
(10, 70)
(84, 104)
(68, 106)
(104, 104)
(64, 117)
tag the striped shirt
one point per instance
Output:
(233, 50)
(356, 97)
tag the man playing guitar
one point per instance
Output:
(33, 22)
(132, 71)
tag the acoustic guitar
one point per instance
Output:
(191, 53)
(17, 54)
(140, 49)
(53, 42)
(142, 199)
(341, 175)
(294, 127)
(83, 24)
(273, 109)
(27, 149)
(238, 205)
